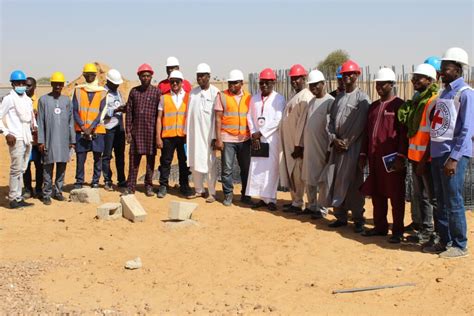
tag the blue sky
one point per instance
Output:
(44, 36)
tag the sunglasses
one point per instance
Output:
(265, 83)
(175, 81)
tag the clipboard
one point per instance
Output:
(263, 152)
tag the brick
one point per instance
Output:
(132, 209)
(181, 211)
(109, 211)
(85, 195)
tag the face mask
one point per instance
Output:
(20, 90)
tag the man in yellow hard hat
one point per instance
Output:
(88, 104)
(56, 137)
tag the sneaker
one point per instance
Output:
(453, 253)
(435, 249)
(59, 197)
(395, 239)
(161, 192)
(246, 200)
(358, 228)
(47, 200)
(337, 223)
(108, 186)
(27, 194)
(94, 185)
(77, 186)
(228, 200)
(149, 191)
(15, 205)
(23, 203)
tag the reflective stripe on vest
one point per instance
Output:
(89, 110)
(419, 142)
(173, 120)
(234, 118)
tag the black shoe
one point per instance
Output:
(59, 197)
(27, 194)
(126, 192)
(246, 200)
(77, 186)
(271, 207)
(122, 184)
(39, 195)
(306, 211)
(15, 205)
(94, 185)
(259, 204)
(228, 199)
(292, 209)
(373, 232)
(108, 186)
(358, 228)
(47, 200)
(286, 206)
(161, 192)
(186, 191)
(23, 203)
(337, 223)
(317, 215)
(149, 191)
(412, 227)
(395, 239)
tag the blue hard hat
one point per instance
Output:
(17, 75)
(434, 61)
(338, 72)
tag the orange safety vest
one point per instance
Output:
(89, 111)
(173, 120)
(418, 143)
(234, 118)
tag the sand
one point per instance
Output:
(232, 260)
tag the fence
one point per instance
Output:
(403, 89)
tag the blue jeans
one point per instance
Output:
(114, 140)
(231, 150)
(450, 214)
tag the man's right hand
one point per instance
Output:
(159, 143)
(128, 138)
(11, 140)
(41, 148)
(219, 144)
(340, 145)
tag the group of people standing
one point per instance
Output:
(317, 142)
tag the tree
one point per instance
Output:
(43, 80)
(329, 65)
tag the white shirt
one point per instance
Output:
(10, 122)
(113, 101)
(176, 97)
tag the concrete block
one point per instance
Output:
(132, 209)
(181, 210)
(85, 195)
(109, 211)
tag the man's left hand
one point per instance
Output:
(399, 164)
(450, 167)
(297, 152)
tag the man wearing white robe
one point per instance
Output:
(200, 134)
(264, 116)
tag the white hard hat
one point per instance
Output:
(172, 61)
(315, 76)
(425, 69)
(456, 54)
(176, 74)
(236, 75)
(203, 68)
(114, 76)
(385, 74)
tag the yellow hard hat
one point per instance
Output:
(89, 68)
(57, 77)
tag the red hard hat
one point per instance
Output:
(350, 66)
(267, 73)
(145, 67)
(297, 70)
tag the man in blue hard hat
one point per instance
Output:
(17, 122)
(436, 63)
(340, 83)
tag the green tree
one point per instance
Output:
(42, 81)
(329, 65)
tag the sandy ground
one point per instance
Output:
(59, 259)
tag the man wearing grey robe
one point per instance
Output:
(342, 177)
(56, 137)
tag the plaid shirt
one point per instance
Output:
(142, 111)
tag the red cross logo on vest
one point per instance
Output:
(441, 120)
(437, 119)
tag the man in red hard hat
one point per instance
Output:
(142, 111)
(172, 63)
(264, 116)
(342, 177)
(291, 137)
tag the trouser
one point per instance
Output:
(380, 204)
(81, 160)
(424, 204)
(312, 195)
(114, 140)
(48, 189)
(231, 150)
(298, 191)
(353, 201)
(36, 159)
(450, 213)
(133, 171)
(19, 157)
(210, 178)
(171, 144)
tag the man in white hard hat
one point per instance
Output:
(233, 135)
(200, 134)
(291, 137)
(115, 131)
(385, 148)
(451, 135)
(171, 134)
(172, 63)
(415, 115)
(316, 140)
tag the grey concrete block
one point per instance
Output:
(109, 211)
(181, 211)
(85, 195)
(132, 209)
